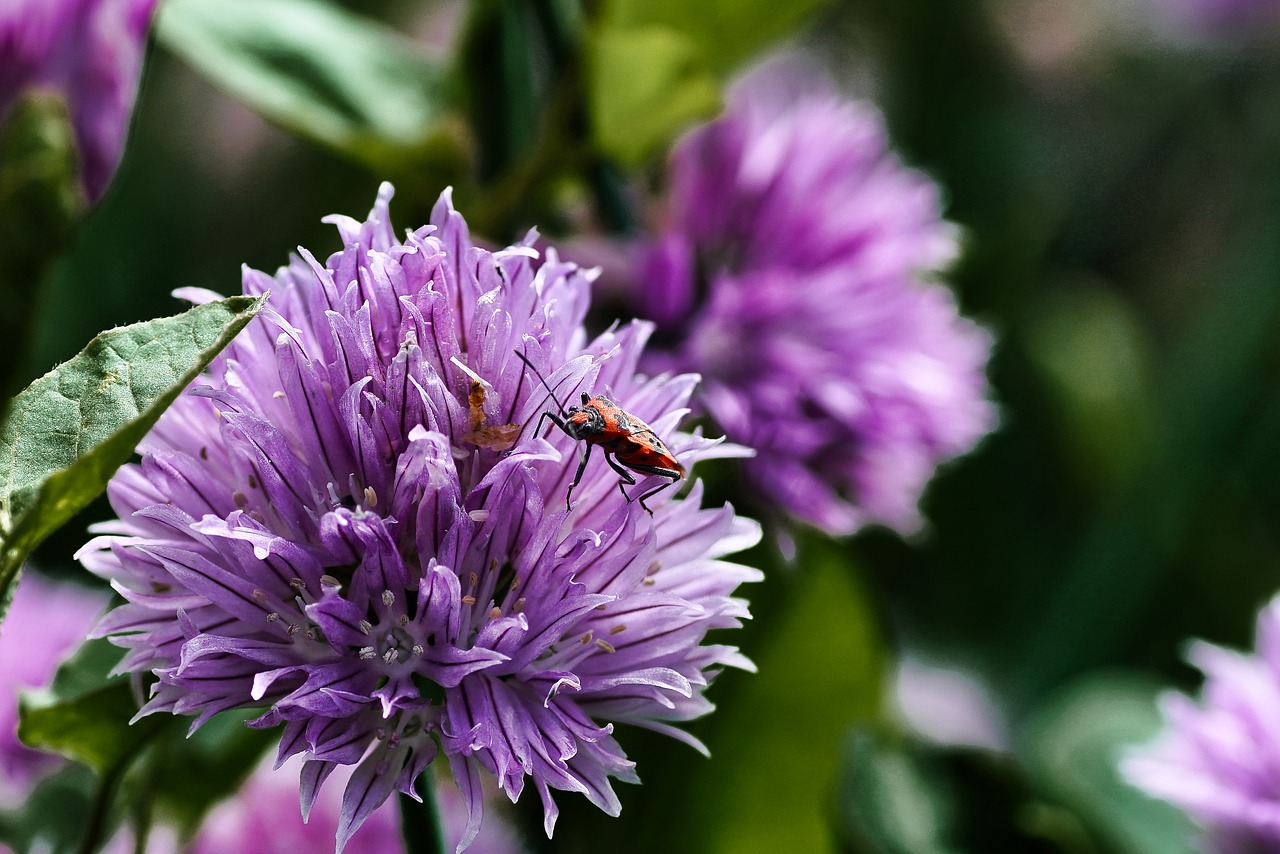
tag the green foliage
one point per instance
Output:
(40, 204)
(500, 81)
(1073, 747)
(182, 776)
(658, 66)
(899, 796)
(85, 716)
(67, 433)
(53, 815)
(648, 84)
(420, 825)
(1094, 361)
(775, 743)
(330, 75)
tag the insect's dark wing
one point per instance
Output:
(646, 452)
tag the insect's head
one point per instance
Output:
(584, 420)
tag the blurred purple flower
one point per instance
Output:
(60, 616)
(1201, 19)
(1219, 759)
(792, 274)
(349, 523)
(948, 705)
(263, 817)
(88, 51)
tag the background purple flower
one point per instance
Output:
(349, 524)
(1201, 19)
(792, 273)
(1219, 759)
(264, 816)
(88, 51)
(45, 624)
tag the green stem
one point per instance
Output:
(96, 825)
(40, 205)
(420, 822)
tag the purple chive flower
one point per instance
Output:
(44, 625)
(350, 523)
(1219, 759)
(88, 51)
(793, 274)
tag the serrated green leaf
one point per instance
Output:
(84, 715)
(334, 76)
(67, 433)
(658, 65)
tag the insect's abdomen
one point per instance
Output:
(644, 448)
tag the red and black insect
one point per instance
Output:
(627, 442)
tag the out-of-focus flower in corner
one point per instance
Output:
(88, 52)
(45, 623)
(948, 705)
(263, 816)
(1199, 20)
(349, 520)
(1219, 759)
(793, 272)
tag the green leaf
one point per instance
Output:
(52, 815)
(67, 433)
(726, 33)
(1073, 746)
(331, 75)
(657, 66)
(502, 96)
(84, 715)
(775, 746)
(649, 82)
(184, 777)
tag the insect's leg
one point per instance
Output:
(674, 474)
(555, 419)
(652, 493)
(577, 478)
(628, 478)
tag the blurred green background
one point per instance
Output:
(1119, 190)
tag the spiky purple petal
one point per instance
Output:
(349, 523)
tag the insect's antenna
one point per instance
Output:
(522, 357)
